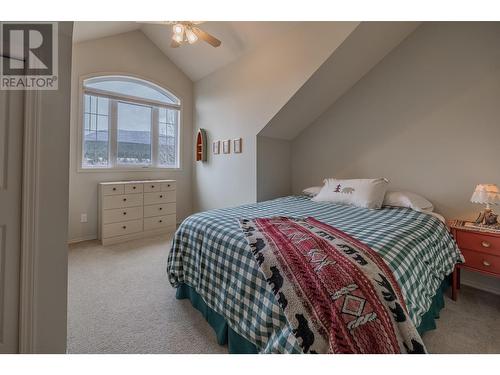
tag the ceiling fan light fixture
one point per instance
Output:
(191, 36)
(178, 37)
(178, 28)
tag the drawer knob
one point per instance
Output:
(152, 186)
(485, 244)
(124, 199)
(160, 221)
(161, 208)
(161, 196)
(125, 213)
(168, 185)
(124, 227)
(114, 189)
(133, 187)
(486, 263)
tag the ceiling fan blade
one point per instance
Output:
(210, 39)
(174, 44)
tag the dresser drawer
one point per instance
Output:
(482, 261)
(159, 198)
(159, 209)
(121, 201)
(114, 189)
(167, 186)
(120, 229)
(478, 241)
(152, 186)
(159, 222)
(133, 188)
(121, 214)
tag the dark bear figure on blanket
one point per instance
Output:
(256, 248)
(276, 280)
(350, 251)
(390, 296)
(418, 348)
(283, 302)
(304, 332)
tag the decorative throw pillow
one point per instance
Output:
(312, 191)
(367, 193)
(407, 199)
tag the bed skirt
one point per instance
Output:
(238, 345)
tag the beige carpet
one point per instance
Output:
(120, 301)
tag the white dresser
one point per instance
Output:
(135, 209)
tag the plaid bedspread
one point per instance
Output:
(210, 253)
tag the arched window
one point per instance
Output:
(129, 123)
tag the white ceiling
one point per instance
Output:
(200, 59)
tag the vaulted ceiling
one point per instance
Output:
(364, 48)
(366, 45)
(200, 59)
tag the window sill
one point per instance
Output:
(120, 170)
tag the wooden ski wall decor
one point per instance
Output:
(201, 145)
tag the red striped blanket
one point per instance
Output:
(338, 295)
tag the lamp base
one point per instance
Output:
(487, 217)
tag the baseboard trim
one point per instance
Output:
(81, 239)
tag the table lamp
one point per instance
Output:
(487, 194)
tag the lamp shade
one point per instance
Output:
(486, 194)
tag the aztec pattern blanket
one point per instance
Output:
(338, 295)
(210, 254)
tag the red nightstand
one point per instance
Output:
(481, 249)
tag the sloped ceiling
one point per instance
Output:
(200, 59)
(83, 30)
(361, 51)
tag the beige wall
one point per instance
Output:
(427, 117)
(241, 98)
(274, 169)
(130, 53)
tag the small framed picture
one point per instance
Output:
(237, 146)
(226, 146)
(216, 147)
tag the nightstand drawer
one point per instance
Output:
(481, 261)
(478, 241)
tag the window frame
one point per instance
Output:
(153, 104)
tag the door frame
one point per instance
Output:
(29, 222)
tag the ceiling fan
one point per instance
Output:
(188, 31)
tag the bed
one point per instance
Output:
(211, 264)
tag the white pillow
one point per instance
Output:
(312, 191)
(367, 193)
(407, 199)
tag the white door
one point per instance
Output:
(11, 147)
